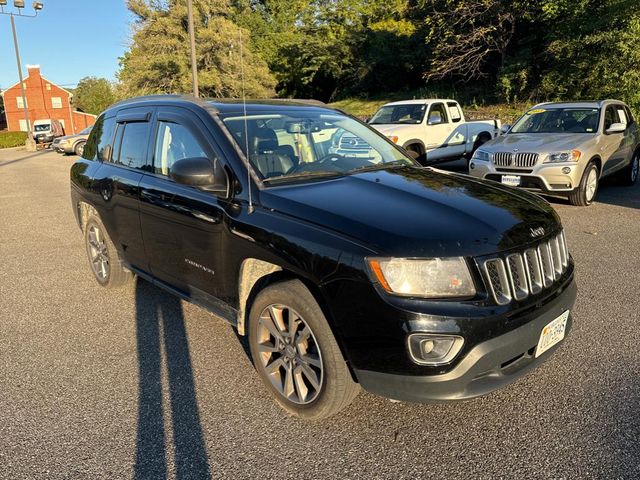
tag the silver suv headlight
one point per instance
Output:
(428, 278)
(561, 157)
(482, 156)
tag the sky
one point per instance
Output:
(69, 39)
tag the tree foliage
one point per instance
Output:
(93, 95)
(517, 50)
(158, 60)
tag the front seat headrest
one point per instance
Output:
(263, 140)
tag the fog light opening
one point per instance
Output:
(472, 166)
(434, 349)
(566, 170)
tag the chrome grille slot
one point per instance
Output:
(554, 245)
(521, 274)
(518, 276)
(546, 263)
(502, 159)
(536, 283)
(498, 280)
(526, 159)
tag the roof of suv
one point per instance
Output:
(584, 104)
(222, 105)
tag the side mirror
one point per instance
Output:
(435, 119)
(616, 128)
(505, 128)
(199, 172)
(366, 119)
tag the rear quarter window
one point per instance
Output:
(101, 136)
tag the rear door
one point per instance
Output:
(181, 225)
(124, 163)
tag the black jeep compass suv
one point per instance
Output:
(345, 271)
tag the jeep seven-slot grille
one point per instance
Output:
(521, 274)
(506, 159)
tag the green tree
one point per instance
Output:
(93, 95)
(158, 60)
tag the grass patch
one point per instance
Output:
(12, 139)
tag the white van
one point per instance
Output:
(44, 131)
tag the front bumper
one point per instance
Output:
(542, 177)
(488, 366)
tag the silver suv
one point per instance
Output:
(564, 149)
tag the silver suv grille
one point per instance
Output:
(506, 159)
(521, 274)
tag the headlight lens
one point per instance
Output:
(482, 156)
(430, 278)
(559, 157)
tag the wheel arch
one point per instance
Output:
(415, 141)
(256, 275)
(83, 210)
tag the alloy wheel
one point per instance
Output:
(289, 354)
(98, 253)
(592, 184)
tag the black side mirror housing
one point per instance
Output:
(200, 172)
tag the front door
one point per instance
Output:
(181, 225)
(616, 145)
(439, 130)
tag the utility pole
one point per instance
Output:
(30, 143)
(192, 40)
(19, 4)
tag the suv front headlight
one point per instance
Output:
(429, 278)
(482, 155)
(560, 157)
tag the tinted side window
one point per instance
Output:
(610, 117)
(130, 147)
(629, 116)
(174, 142)
(101, 136)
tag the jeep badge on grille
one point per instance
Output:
(537, 232)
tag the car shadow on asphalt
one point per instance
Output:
(161, 330)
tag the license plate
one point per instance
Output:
(552, 333)
(511, 180)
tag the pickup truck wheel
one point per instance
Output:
(103, 257)
(630, 173)
(296, 354)
(416, 151)
(79, 148)
(584, 193)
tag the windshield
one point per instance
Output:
(86, 131)
(558, 120)
(43, 127)
(304, 144)
(396, 114)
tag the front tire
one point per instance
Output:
(79, 148)
(584, 194)
(103, 256)
(296, 354)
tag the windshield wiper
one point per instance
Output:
(378, 166)
(302, 176)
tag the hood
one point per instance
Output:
(395, 129)
(538, 142)
(70, 137)
(418, 212)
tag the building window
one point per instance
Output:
(23, 125)
(56, 102)
(21, 102)
(48, 86)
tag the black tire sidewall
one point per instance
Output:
(295, 295)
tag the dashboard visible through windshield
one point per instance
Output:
(282, 147)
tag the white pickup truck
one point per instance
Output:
(433, 130)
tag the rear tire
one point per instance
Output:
(584, 194)
(103, 256)
(296, 354)
(629, 175)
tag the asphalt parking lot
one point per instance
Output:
(134, 383)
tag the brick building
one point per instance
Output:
(44, 100)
